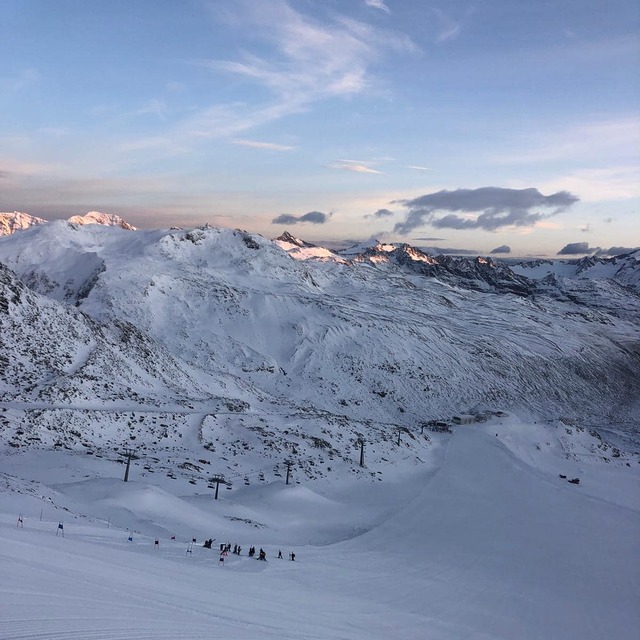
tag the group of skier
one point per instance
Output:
(225, 549)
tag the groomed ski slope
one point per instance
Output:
(491, 545)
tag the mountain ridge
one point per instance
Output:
(367, 338)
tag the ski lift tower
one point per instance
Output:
(130, 454)
(217, 479)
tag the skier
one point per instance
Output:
(292, 556)
(280, 554)
(262, 555)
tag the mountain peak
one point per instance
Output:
(97, 217)
(301, 250)
(289, 239)
(17, 221)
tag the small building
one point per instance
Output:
(463, 419)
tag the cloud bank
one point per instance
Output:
(575, 248)
(314, 217)
(616, 251)
(487, 208)
(580, 248)
(503, 248)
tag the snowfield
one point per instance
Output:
(487, 541)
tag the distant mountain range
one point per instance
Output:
(110, 333)
(525, 277)
(16, 221)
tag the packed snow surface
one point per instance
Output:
(486, 540)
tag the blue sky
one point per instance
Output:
(446, 124)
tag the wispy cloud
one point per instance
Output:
(310, 60)
(255, 144)
(300, 60)
(447, 27)
(153, 107)
(215, 122)
(377, 4)
(418, 167)
(487, 208)
(19, 81)
(17, 170)
(379, 214)
(383, 213)
(597, 185)
(356, 167)
(596, 139)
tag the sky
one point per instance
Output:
(503, 126)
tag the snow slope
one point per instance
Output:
(487, 541)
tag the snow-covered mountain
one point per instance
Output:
(624, 268)
(321, 386)
(96, 217)
(301, 250)
(480, 274)
(16, 221)
(389, 335)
